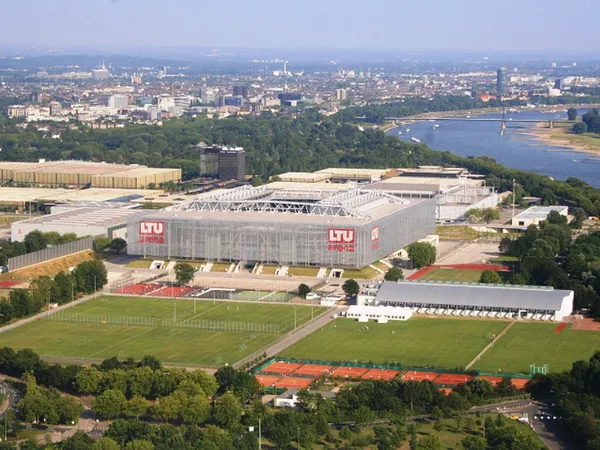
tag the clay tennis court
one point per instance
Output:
(172, 291)
(349, 372)
(380, 374)
(493, 380)
(8, 284)
(519, 383)
(281, 367)
(413, 375)
(293, 382)
(452, 379)
(315, 370)
(267, 380)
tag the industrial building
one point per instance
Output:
(537, 214)
(475, 300)
(82, 173)
(85, 221)
(302, 227)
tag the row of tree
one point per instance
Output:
(34, 241)
(86, 278)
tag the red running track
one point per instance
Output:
(561, 326)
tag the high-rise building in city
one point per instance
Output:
(117, 101)
(232, 163)
(501, 80)
(341, 94)
(209, 161)
(241, 90)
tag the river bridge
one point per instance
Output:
(503, 121)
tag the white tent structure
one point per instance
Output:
(381, 314)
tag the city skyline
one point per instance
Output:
(429, 25)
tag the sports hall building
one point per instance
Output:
(477, 300)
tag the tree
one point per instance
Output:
(118, 244)
(351, 287)
(580, 128)
(139, 444)
(422, 254)
(109, 405)
(101, 243)
(303, 290)
(490, 277)
(136, 407)
(430, 443)
(184, 273)
(227, 410)
(474, 443)
(35, 240)
(579, 217)
(362, 416)
(87, 381)
(394, 274)
(90, 275)
(105, 444)
(571, 114)
(257, 180)
(167, 408)
(65, 285)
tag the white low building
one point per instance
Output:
(537, 214)
(381, 314)
(478, 300)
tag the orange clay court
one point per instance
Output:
(452, 378)
(414, 375)
(267, 380)
(349, 372)
(293, 382)
(380, 374)
(282, 368)
(315, 370)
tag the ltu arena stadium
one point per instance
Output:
(346, 227)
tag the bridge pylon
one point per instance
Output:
(502, 127)
(551, 124)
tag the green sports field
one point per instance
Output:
(537, 343)
(432, 342)
(171, 344)
(455, 275)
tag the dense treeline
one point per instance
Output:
(86, 278)
(548, 257)
(175, 408)
(34, 241)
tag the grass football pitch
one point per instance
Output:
(456, 275)
(537, 343)
(431, 342)
(170, 345)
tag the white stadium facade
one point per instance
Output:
(476, 300)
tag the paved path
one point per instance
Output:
(490, 345)
(294, 336)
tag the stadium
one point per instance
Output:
(347, 227)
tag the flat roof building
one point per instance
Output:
(477, 300)
(86, 221)
(537, 214)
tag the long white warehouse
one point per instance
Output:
(477, 300)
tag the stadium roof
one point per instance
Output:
(472, 295)
(86, 216)
(351, 203)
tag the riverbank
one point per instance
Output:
(561, 135)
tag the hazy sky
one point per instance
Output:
(555, 25)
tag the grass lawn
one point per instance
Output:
(269, 270)
(7, 220)
(460, 275)
(381, 266)
(170, 345)
(366, 273)
(537, 343)
(220, 267)
(303, 271)
(591, 141)
(49, 268)
(140, 264)
(446, 343)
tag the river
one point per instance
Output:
(518, 148)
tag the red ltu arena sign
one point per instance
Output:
(375, 237)
(152, 232)
(341, 239)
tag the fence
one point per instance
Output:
(49, 253)
(154, 322)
